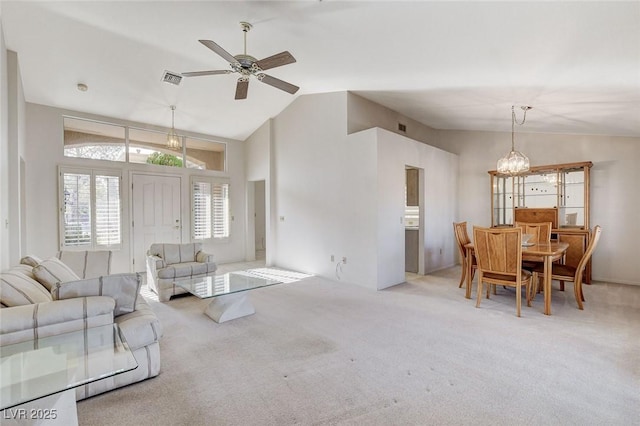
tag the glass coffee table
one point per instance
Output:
(229, 292)
(42, 372)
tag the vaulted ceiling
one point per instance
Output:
(449, 65)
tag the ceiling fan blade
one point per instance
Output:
(241, 89)
(219, 50)
(277, 60)
(199, 73)
(277, 83)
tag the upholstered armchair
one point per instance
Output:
(168, 262)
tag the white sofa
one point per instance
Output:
(168, 262)
(29, 309)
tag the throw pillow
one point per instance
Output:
(123, 288)
(52, 271)
(16, 289)
(30, 260)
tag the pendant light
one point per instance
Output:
(515, 162)
(173, 140)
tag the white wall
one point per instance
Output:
(258, 168)
(615, 198)
(4, 155)
(364, 114)
(343, 195)
(438, 196)
(308, 184)
(16, 142)
(44, 153)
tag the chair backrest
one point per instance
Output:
(462, 237)
(595, 237)
(498, 250)
(541, 231)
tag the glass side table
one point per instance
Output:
(35, 371)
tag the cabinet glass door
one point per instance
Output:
(572, 206)
(564, 187)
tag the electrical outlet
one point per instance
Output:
(344, 260)
(333, 258)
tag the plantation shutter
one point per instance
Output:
(107, 220)
(201, 207)
(220, 210)
(77, 209)
(90, 216)
(210, 208)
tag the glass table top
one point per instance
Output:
(41, 367)
(219, 285)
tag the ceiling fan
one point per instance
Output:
(247, 65)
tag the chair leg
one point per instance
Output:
(518, 299)
(561, 285)
(479, 297)
(577, 290)
(464, 273)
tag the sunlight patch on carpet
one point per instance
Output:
(281, 275)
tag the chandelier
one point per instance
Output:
(173, 140)
(515, 162)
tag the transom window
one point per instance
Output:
(105, 141)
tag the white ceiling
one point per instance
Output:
(450, 65)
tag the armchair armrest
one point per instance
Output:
(21, 323)
(203, 257)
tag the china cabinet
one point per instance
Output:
(557, 193)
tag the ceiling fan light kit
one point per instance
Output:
(247, 66)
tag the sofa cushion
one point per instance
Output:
(87, 264)
(17, 288)
(52, 271)
(187, 270)
(176, 253)
(22, 323)
(123, 288)
(30, 260)
(25, 269)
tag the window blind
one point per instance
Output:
(220, 210)
(107, 227)
(77, 209)
(210, 209)
(201, 210)
(91, 212)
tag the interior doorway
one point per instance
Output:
(156, 213)
(414, 220)
(260, 223)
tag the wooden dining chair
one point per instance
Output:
(541, 232)
(564, 273)
(499, 255)
(462, 238)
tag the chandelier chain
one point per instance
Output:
(514, 121)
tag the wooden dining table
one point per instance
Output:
(551, 252)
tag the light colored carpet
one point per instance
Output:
(320, 352)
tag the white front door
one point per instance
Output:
(156, 214)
